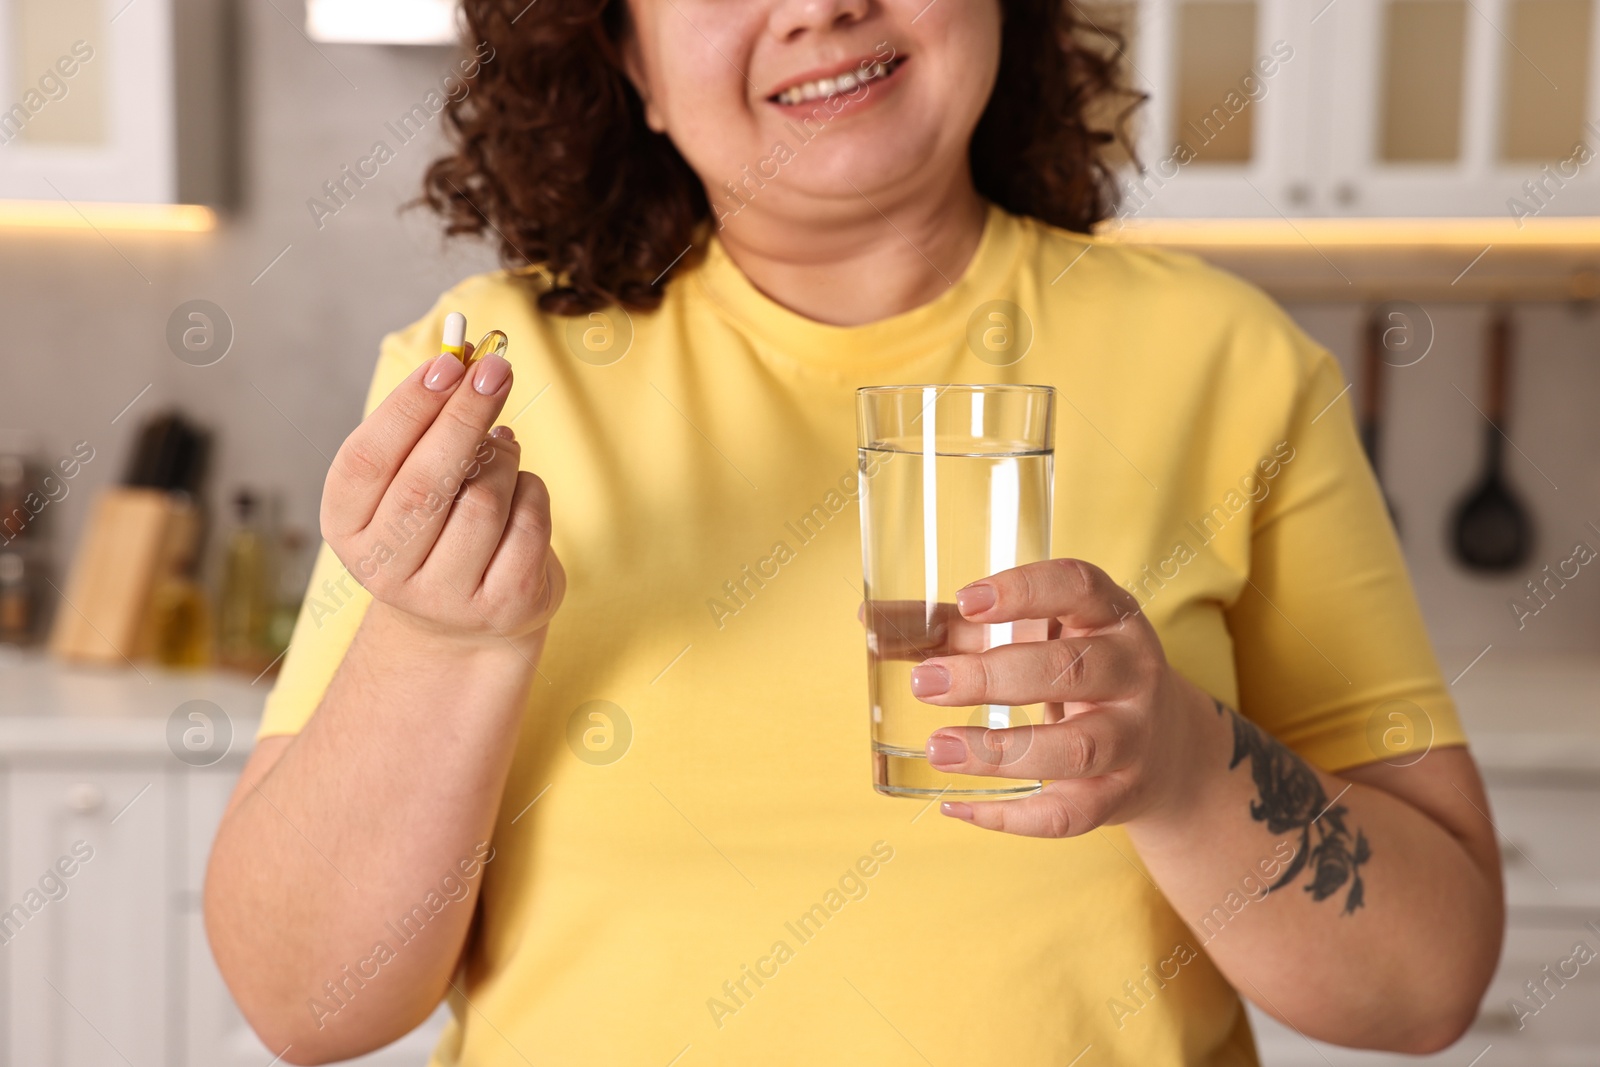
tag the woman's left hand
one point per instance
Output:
(1122, 730)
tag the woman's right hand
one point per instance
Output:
(426, 507)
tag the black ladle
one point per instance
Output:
(1492, 531)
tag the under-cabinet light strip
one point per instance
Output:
(59, 215)
(1420, 233)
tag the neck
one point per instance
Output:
(862, 260)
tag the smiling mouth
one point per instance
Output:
(847, 82)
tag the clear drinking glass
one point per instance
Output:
(956, 485)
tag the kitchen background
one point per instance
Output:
(1430, 116)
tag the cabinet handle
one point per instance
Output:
(1497, 1021)
(85, 798)
(1513, 854)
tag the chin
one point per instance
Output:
(871, 162)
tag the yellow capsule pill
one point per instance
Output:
(493, 344)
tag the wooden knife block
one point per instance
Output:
(134, 538)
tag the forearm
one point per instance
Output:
(394, 782)
(1342, 909)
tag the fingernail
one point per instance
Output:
(929, 680)
(491, 374)
(975, 599)
(503, 433)
(942, 748)
(445, 372)
(956, 809)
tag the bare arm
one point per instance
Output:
(1374, 914)
(346, 870)
(338, 832)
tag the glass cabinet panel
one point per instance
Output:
(1424, 55)
(1216, 52)
(63, 108)
(1546, 81)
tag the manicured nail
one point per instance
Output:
(942, 748)
(445, 373)
(929, 680)
(491, 374)
(957, 809)
(503, 433)
(975, 599)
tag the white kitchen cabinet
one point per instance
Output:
(1550, 844)
(111, 101)
(1223, 130)
(210, 1021)
(118, 970)
(84, 756)
(1450, 107)
(88, 971)
(1371, 108)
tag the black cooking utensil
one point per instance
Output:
(1492, 530)
(1371, 423)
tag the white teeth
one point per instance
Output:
(826, 87)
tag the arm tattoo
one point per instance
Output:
(1292, 798)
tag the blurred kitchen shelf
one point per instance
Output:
(1467, 259)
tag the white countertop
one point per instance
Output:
(1530, 712)
(1522, 712)
(47, 708)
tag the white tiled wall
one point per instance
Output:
(1434, 454)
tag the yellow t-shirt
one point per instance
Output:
(722, 878)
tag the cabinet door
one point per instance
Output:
(1223, 133)
(86, 952)
(1476, 108)
(214, 1033)
(90, 99)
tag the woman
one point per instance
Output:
(584, 753)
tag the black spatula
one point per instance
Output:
(1492, 530)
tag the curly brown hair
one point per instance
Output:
(552, 151)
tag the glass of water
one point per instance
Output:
(956, 485)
